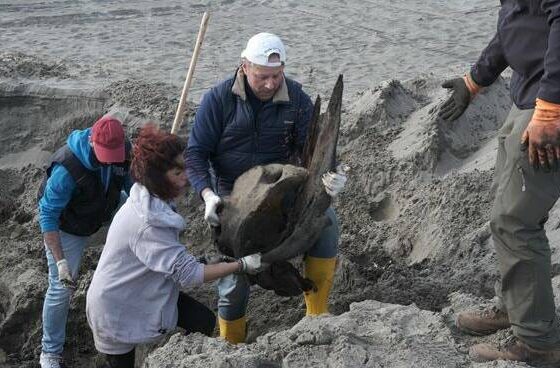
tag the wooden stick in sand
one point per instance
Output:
(183, 101)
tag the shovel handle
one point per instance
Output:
(183, 101)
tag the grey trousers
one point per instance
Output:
(524, 197)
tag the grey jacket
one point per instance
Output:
(133, 295)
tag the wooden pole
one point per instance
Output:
(183, 101)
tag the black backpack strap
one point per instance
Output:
(65, 157)
(75, 167)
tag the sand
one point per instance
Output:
(415, 244)
(370, 41)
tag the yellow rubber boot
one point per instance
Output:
(321, 272)
(233, 331)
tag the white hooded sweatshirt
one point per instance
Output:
(133, 295)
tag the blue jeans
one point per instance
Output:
(57, 299)
(233, 290)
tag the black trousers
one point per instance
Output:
(193, 317)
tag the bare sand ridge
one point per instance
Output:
(415, 244)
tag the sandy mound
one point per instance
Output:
(18, 65)
(371, 334)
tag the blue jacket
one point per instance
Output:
(228, 138)
(60, 186)
(527, 40)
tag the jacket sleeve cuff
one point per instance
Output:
(480, 80)
(472, 86)
(548, 95)
(199, 186)
(48, 227)
(187, 271)
(199, 274)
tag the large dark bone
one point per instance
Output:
(253, 219)
(256, 217)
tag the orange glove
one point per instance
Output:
(542, 136)
(471, 85)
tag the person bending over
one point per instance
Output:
(80, 192)
(134, 295)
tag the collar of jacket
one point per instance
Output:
(238, 88)
(153, 210)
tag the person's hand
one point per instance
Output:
(464, 89)
(541, 138)
(212, 203)
(334, 182)
(64, 275)
(252, 264)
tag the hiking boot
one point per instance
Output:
(49, 360)
(515, 350)
(482, 322)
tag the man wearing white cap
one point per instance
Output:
(257, 117)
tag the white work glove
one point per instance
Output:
(64, 275)
(334, 182)
(252, 264)
(212, 202)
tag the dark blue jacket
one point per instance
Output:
(527, 40)
(229, 138)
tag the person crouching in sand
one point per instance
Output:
(134, 295)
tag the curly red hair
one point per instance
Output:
(154, 153)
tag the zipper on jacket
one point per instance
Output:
(523, 186)
(255, 133)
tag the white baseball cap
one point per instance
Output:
(261, 46)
